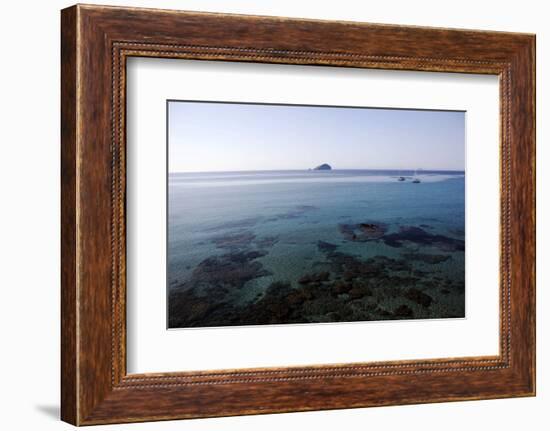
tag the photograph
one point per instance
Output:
(306, 214)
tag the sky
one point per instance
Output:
(206, 137)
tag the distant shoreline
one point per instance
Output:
(418, 171)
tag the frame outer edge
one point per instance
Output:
(533, 54)
(69, 202)
(530, 63)
(532, 82)
(523, 216)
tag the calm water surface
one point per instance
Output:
(286, 230)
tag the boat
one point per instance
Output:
(415, 180)
(401, 179)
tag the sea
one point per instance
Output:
(310, 246)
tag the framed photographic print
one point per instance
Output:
(276, 242)
(268, 215)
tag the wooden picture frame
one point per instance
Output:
(95, 43)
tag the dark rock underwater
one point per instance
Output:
(349, 289)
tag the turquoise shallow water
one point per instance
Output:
(285, 217)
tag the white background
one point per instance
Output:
(29, 216)
(151, 348)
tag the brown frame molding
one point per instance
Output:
(95, 42)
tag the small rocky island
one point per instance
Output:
(323, 167)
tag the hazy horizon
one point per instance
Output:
(322, 171)
(237, 137)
